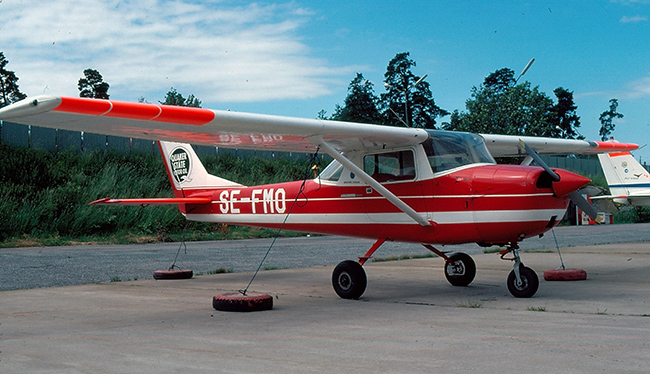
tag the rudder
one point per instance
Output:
(624, 174)
(186, 171)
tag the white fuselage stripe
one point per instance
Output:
(483, 216)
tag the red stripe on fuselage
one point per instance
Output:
(491, 189)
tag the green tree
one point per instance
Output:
(173, 97)
(92, 85)
(408, 97)
(563, 118)
(8, 84)
(499, 106)
(607, 119)
(360, 104)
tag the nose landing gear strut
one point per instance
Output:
(522, 281)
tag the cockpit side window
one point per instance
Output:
(448, 150)
(390, 166)
(332, 172)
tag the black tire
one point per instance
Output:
(237, 302)
(349, 280)
(529, 280)
(461, 270)
(173, 274)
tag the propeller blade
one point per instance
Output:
(539, 160)
(575, 196)
(583, 204)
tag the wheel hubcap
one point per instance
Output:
(456, 269)
(345, 281)
(523, 285)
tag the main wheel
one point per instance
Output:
(461, 270)
(529, 282)
(349, 280)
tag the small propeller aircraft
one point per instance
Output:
(385, 183)
(628, 180)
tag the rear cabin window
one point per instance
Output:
(391, 166)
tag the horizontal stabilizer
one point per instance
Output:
(154, 201)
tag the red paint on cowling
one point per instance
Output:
(568, 183)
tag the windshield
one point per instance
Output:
(447, 150)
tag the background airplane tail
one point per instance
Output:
(624, 173)
(185, 170)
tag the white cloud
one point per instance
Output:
(636, 89)
(639, 88)
(218, 51)
(635, 19)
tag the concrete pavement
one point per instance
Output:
(409, 320)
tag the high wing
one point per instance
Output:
(204, 126)
(253, 131)
(509, 145)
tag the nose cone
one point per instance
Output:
(568, 183)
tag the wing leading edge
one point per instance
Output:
(508, 145)
(204, 126)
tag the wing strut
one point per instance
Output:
(338, 156)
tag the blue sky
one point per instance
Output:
(296, 58)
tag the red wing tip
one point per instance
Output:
(602, 146)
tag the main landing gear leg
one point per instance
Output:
(522, 281)
(349, 279)
(460, 269)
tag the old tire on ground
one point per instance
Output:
(349, 280)
(173, 274)
(238, 302)
(565, 275)
(461, 270)
(529, 283)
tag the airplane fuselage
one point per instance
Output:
(490, 204)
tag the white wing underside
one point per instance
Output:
(205, 127)
(251, 131)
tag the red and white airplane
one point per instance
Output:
(385, 183)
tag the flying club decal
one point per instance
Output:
(180, 164)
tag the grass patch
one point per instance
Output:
(220, 270)
(493, 250)
(474, 304)
(536, 308)
(46, 203)
(402, 257)
(130, 237)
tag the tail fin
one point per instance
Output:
(185, 170)
(624, 174)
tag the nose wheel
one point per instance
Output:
(522, 281)
(527, 284)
